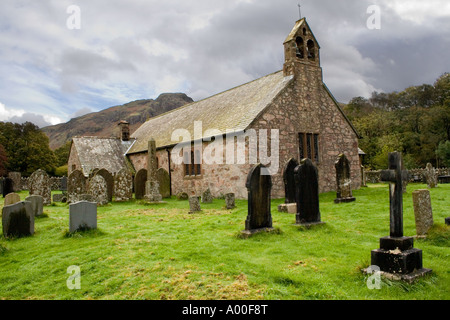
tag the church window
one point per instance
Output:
(311, 50)
(192, 163)
(308, 145)
(300, 47)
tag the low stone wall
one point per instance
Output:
(416, 175)
(57, 183)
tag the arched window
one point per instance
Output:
(300, 47)
(192, 163)
(311, 50)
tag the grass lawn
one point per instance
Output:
(160, 251)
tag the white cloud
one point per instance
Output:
(418, 11)
(6, 114)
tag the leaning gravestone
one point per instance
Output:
(259, 217)
(423, 212)
(98, 189)
(289, 185)
(82, 216)
(109, 182)
(123, 185)
(162, 176)
(11, 198)
(207, 196)
(194, 204)
(18, 220)
(7, 186)
(37, 204)
(230, 202)
(39, 184)
(396, 257)
(76, 186)
(343, 181)
(430, 176)
(139, 184)
(307, 194)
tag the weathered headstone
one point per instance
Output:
(139, 184)
(259, 187)
(18, 220)
(423, 212)
(98, 189)
(59, 197)
(194, 204)
(123, 185)
(11, 198)
(7, 187)
(288, 208)
(430, 176)
(76, 186)
(289, 184)
(82, 216)
(37, 204)
(16, 177)
(396, 255)
(162, 176)
(307, 194)
(109, 182)
(151, 185)
(343, 181)
(39, 184)
(182, 196)
(207, 196)
(230, 202)
(363, 177)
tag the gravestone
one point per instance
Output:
(98, 189)
(396, 255)
(151, 185)
(76, 186)
(39, 184)
(123, 185)
(194, 204)
(289, 185)
(11, 198)
(259, 217)
(109, 182)
(59, 197)
(82, 216)
(18, 220)
(139, 184)
(430, 176)
(343, 181)
(288, 208)
(207, 196)
(2, 184)
(447, 221)
(307, 194)
(182, 196)
(423, 212)
(16, 177)
(7, 186)
(363, 177)
(162, 176)
(37, 204)
(63, 184)
(230, 202)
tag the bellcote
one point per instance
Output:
(300, 47)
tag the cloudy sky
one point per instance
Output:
(54, 66)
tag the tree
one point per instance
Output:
(443, 152)
(62, 154)
(3, 162)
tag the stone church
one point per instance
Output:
(295, 102)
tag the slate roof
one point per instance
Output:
(230, 111)
(96, 152)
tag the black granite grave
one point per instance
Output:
(289, 180)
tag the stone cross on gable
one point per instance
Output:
(395, 175)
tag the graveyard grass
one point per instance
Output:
(142, 251)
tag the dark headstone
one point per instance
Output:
(18, 220)
(17, 180)
(139, 183)
(396, 255)
(37, 204)
(63, 184)
(343, 181)
(259, 187)
(39, 184)
(7, 186)
(109, 182)
(76, 186)
(162, 176)
(289, 180)
(307, 194)
(447, 221)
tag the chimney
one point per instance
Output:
(125, 130)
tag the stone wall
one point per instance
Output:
(416, 175)
(55, 183)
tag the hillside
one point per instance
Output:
(104, 123)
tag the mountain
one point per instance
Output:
(105, 123)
